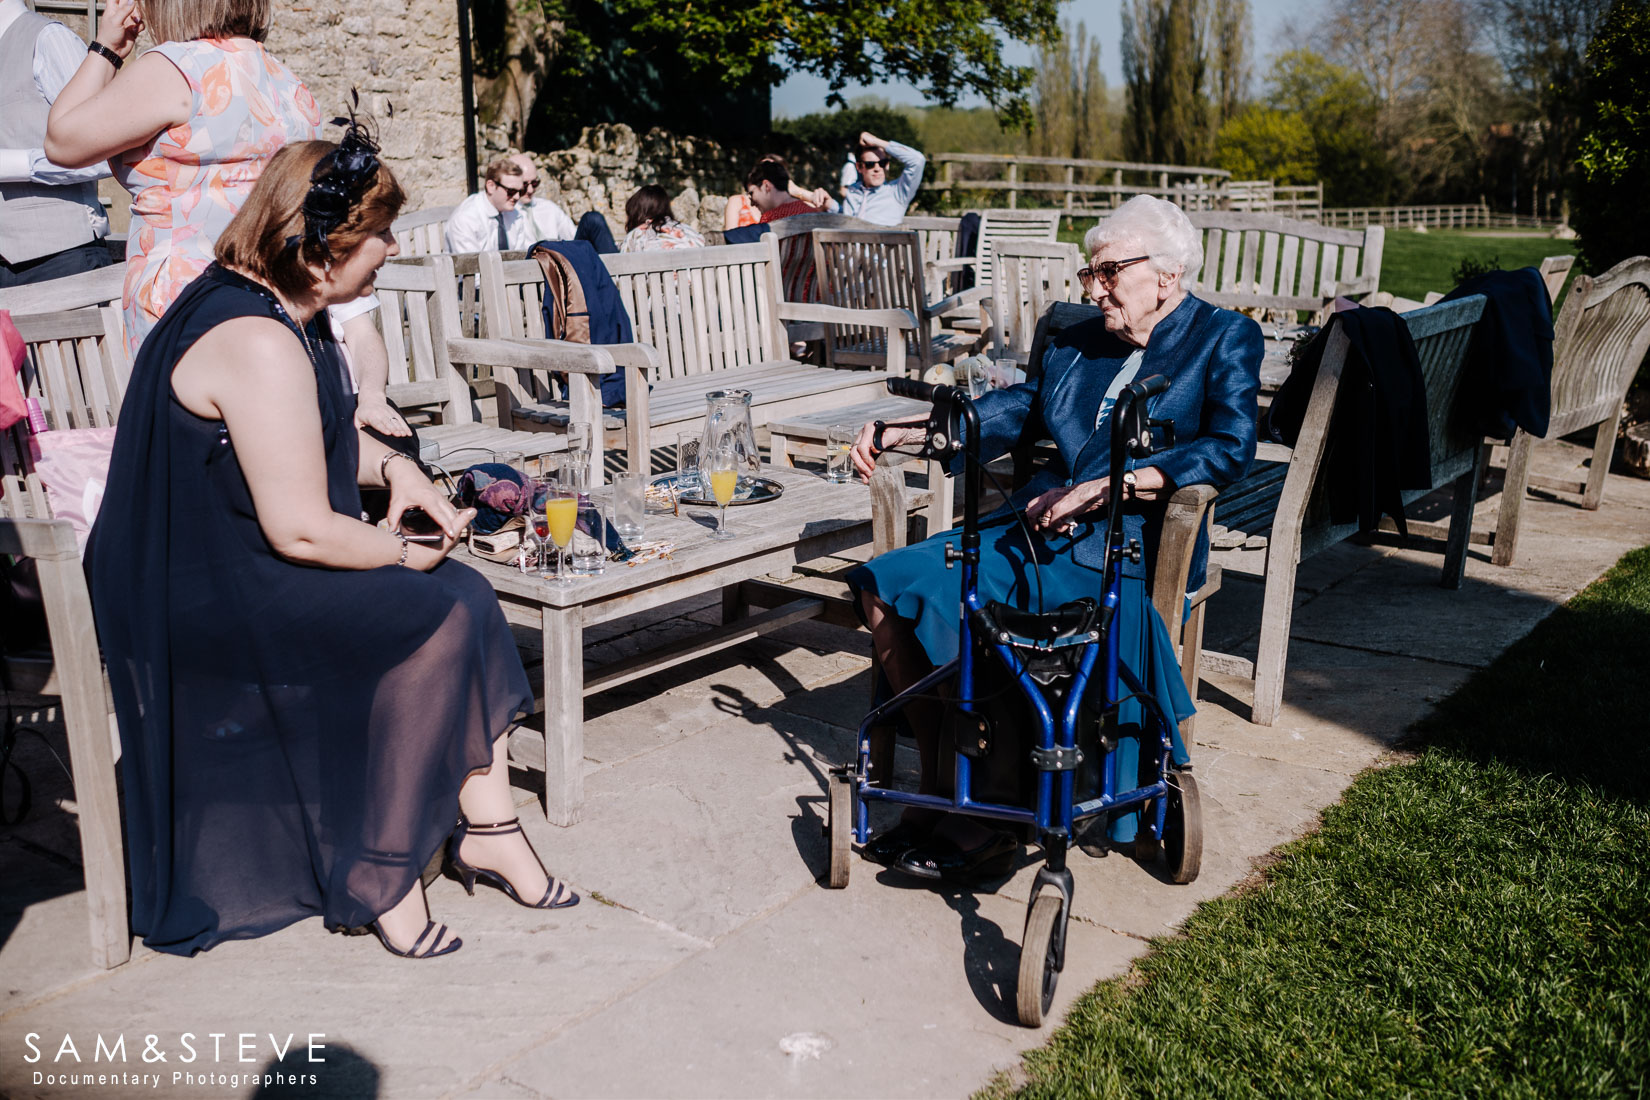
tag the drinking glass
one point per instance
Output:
(578, 444)
(720, 467)
(839, 442)
(513, 459)
(561, 515)
(629, 505)
(687, 462)
(589, 540)
(538, 530)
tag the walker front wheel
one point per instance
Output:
(1183, 829)
(839, 829)
(1039, 960)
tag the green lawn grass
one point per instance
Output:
(1414, 263)
(1472, 922)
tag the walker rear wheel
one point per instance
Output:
(1183, 829)
(1038, 959)
(839, 829)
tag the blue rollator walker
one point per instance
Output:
(1064, 664)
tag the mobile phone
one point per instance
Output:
(419, 526)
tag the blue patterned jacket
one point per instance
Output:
(1212, 360)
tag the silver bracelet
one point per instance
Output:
(404, 545)
(384, 464)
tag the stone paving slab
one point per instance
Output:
(706, 960)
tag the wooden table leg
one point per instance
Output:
(563, 715)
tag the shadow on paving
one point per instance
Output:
(344, 1074)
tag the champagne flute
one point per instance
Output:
(720, 467)
(561, 513)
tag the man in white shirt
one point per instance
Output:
(51, 222)
(488, 221)
(545, 220)
(873, 197)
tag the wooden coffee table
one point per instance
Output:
(813, 519)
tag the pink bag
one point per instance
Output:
(74, 466)
(12, 353)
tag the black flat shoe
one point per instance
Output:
(939, 859)
(890, 844)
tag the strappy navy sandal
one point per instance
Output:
(557, 895)
(419, 950)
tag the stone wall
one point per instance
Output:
(611, 162)
(400, 53)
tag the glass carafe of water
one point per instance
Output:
(728, 423)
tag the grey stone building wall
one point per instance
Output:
(400, 53)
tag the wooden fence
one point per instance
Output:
(1440, 216)
(1193, 188)
(1265, 197)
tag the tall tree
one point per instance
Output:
(1186, 73)
(1070, 108)
(1167, 80)
(1230, 38)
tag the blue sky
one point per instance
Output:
(1277, 26)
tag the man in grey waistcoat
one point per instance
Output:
(51, 222)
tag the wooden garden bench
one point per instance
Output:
(1266, 261)
(423, 232)
(72, 671)
(420, 322)
(703, 319)
(995, 226)
(1278, 516)
(76, 363)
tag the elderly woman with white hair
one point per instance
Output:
(1139, 259)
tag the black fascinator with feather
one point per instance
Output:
(339, 180)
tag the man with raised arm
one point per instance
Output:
(875, 198)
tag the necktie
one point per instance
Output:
(503, 237)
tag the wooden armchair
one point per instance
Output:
(997, 226)
(1029, 277)
(1278, 515)
(877, 269)
(1600, 339)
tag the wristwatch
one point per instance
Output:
(1129, 481)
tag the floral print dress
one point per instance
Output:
(188, 183)
(668, 233)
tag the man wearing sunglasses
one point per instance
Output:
(874, 197)
(488, 220)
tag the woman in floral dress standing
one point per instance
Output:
(187, 132)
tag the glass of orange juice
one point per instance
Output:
(720, 468)
(561, 511)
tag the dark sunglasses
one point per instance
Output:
(512, 192)
(870, 164)
(1107, 272)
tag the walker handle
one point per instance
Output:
(1149, 387)
(923, 391)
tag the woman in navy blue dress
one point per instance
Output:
(307, 703)
(1149, 324)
